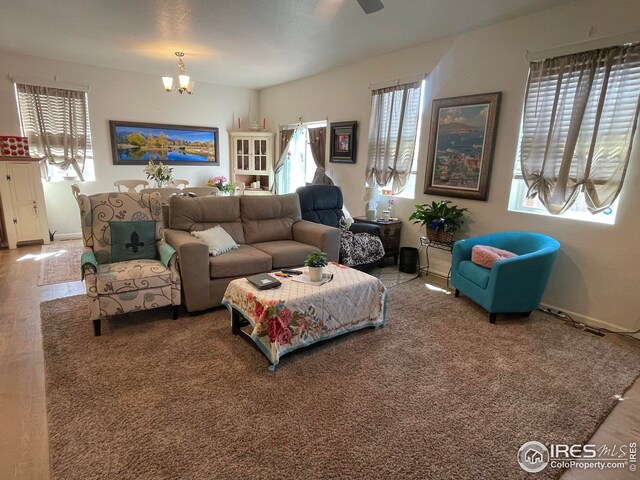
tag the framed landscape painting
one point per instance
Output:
(462, 137)
(134, 143)
(343, 142)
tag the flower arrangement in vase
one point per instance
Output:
(160, 173)
(316, 261)
(222, 184)
(440, 219)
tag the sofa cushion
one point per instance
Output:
(269, 218)
(474, 273)
(217, 239)
(246, 260)
(201, 213)
(131, 276)
(286, 253)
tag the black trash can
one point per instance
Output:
(408, 260)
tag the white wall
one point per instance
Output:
(122, 95)
(597, 271)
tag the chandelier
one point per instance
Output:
(185, 83)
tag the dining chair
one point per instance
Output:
(130, 185)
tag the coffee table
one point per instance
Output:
(297, 315)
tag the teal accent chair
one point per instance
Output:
(513, 285)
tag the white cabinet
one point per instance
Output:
(252, 160)
(23, 208)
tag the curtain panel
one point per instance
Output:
(285, 140)
(579, 119)
(392, 135)
(317, 145)
(56, 123)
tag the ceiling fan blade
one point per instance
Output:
(371, 6)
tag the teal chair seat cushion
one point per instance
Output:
(474, 273)
(133, 240)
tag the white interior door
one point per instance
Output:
(23, 197)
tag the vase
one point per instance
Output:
(315, 273)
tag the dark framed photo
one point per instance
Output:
(135, 143)
(343, 142)
(461, 143)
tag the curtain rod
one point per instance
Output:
(398, 81)
(583, 46)
(47, 83)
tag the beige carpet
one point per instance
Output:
(437, 393)
(60, 262)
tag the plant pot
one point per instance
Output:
(315, 273)
(439, 236)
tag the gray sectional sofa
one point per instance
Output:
(269, 230)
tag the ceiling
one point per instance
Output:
(247, 43)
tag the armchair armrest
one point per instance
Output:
(324, 237)
(167, 252)
(88, 262)
(193, 256)
(365, 228)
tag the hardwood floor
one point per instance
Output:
(24, 450)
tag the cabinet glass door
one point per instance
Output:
(260, 155)
(242, 154)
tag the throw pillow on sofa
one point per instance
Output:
(217, 240)
(486, 256)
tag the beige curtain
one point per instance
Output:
(317, 144)
(285, 138)
(56, 122)
(579, 120)
(392, 135)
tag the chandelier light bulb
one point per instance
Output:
(185, 84)
(184, 81)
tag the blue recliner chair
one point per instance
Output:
(513, 285)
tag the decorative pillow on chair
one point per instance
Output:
(486, 256)
(217, 239)
(133, 240)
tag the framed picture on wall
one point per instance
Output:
(135, 143)
(343, 142)
(461, 141)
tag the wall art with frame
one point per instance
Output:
(135, 143)
(461, 143)
(344, 139)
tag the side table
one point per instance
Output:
(427, 244)
(389, 234)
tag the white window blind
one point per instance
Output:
(579, 119)
(395, 113)
(56, 122)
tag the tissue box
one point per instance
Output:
(14, 146)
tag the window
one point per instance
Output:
(393, 128)
(578, 123)
(56, 122)
(300, 167)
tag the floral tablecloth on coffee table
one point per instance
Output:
(297, 314)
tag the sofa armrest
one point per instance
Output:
(193, 258)
(324, 237)
(365, 228)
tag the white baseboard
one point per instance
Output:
(68, 236)
(591, 321)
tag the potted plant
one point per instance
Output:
(440, 219)
(316, 261)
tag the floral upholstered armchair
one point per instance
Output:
(126, 265)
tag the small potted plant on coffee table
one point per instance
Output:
(316, 261)
(440, 219)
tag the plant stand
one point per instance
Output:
(427, 244)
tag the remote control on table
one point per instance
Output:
(292, 272)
